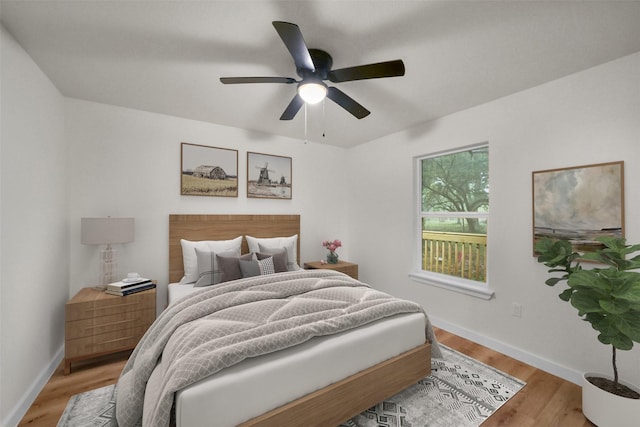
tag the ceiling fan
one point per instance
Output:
(314, 66)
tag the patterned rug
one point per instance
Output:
(460, 392)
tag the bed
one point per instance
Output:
(301, 385)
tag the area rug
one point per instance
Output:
(460, 392)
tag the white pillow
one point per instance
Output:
(190, 260)
(289, 243)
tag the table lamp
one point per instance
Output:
(107, 231)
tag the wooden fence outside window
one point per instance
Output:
(456, 254)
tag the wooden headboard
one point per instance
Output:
(225, 227)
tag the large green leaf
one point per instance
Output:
(614, 306)
(588, 279)
(621, 342)
(628, 287)
(634, 263)
(604, 339)
(586, 302)
(591, 256)
(594, 319)
(612, 242)
(558, 253)
(610, 334)
(631, 249)
(606, 325)
(629, 324)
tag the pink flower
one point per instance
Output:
(332, 245)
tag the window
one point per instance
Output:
(453, 212)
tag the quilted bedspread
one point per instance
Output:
(221, 325)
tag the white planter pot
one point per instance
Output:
(605, 409)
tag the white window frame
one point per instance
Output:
(445, 281)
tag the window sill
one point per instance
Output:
(467, 287)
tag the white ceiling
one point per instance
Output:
(167, 56)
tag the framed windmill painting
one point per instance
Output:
(579, 204)
(268, 176)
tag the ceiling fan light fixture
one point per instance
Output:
(312, 93)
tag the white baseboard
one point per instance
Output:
(511, 351)
(32, 392)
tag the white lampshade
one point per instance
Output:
(312, 93)
(105, 231)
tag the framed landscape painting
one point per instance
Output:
(268, 176)
(208, 171)
(579, 204)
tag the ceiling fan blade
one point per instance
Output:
(293, 108)
(292, 38)
(346, 102)
(240, 80)
(370, 71)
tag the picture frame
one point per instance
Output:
(269, 176)
(208, 171)
(579, 204)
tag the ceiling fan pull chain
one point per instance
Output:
(323, 120)
(305, 122)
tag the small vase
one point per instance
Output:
(332, 258)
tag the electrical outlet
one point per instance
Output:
(516, 309)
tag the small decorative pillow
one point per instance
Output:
(289, 243)
(279, 258)
(257, 268)
(190, 260)
(209, 267)
(230, 266)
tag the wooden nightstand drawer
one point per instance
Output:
(104, 343)
(345, 267)
(89, 305)
(112, 323)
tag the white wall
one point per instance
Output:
(34, 255)
(127, 163)
(589, 117)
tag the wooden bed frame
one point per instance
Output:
(337, 402)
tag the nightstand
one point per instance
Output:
(342, 266)
(97, 323)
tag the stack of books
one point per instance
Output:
(129, 286)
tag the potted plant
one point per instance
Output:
(609, 299)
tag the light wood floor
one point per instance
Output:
(546, 400)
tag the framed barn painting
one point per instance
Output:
(268, 176)
(579, 204)
(208, 171)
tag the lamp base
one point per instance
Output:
(108, 266)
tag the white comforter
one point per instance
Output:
(222, 325)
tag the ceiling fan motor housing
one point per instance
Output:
(322, 61)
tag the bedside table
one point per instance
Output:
(342, 266)
(97, 323)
